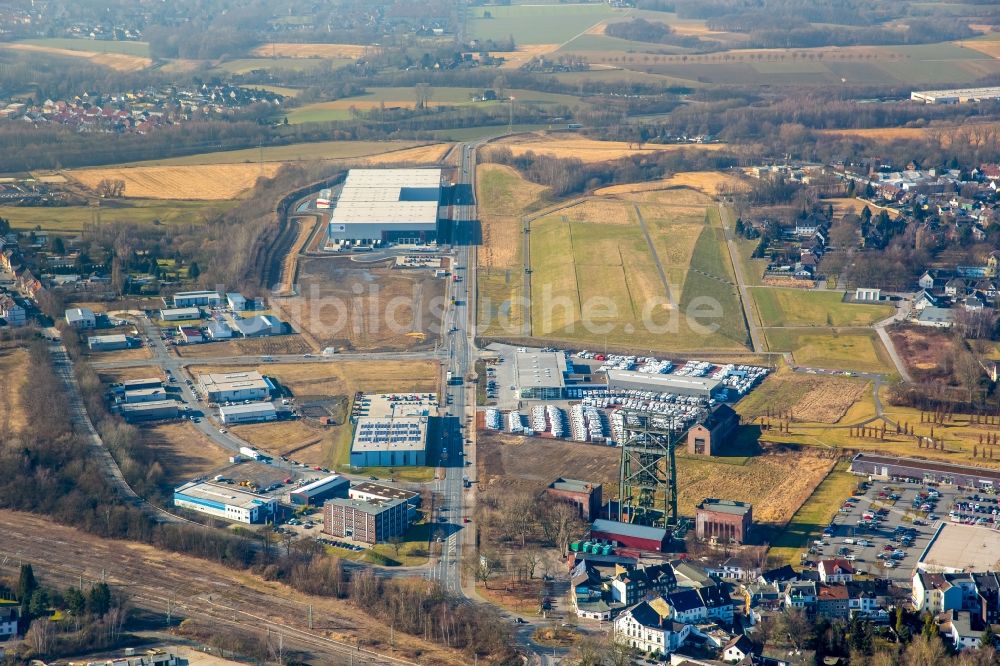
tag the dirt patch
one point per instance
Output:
(366, 307)
(777, 482)
(183, 451)
(523, 54)
(117, 61)
(827, 402)
(924, 351)
(432, 154)
(111, 376)
(268, 346)
(280, 438)
(286, 50)
(208, 182)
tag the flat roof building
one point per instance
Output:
(180, 314)
(541, 375)
(377, 492)
(81, 318)
(233, 386)
(701, 387)
(110, 342)
(961, 548)
(225, 501)
(259, 326)
(387, 205)
(630, 535)
(148, 382)
(318, 491)
(390, 442)
(236, 301)
(728, 521)
(956, 95)
(219, 330)
(255, 412)
(368, 522)
(136, 396)
(186, 299)
(150, 411)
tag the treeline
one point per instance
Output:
(571, 176)
(47, 77)
(914, 31)
(653, 32)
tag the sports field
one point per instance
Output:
(536, 23)
(802, 307)
(142, 211)
(857, 349)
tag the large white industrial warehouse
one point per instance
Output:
(387, 205)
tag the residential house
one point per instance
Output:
(81, 318)
(935, 594)
(629, 587)
(733, 570)
(988, 596)
(832, 602)
(868, 599)
(973, 303)
(8, 621)
(835, 571)
(12, 313)
(927, 280)
(924, 299)
(800, 594)
(963, 630)
(649, 626)
(737, 649)
(955, 287)
(688, 606)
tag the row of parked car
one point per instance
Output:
(975, 510)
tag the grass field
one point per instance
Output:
(536, 23)
(200, 182)
(710, 183)
(503, 198)
(406, 98)
(183, 451)
(595, 276)
(245, 65)
(14, 373)
(282, 437)
(777, 481)
(590, 150)
(800, 307)
(813, 516)
(114, 55)
(844, 400)
(69, 219)
(851, 349)
(294, 50)
(294, 152)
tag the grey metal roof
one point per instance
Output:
(628, 529)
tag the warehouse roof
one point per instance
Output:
(141, 382)
(540, 369)
(407, 433)
(107, 338)
(665, 383)
(961, 548)
(232, 381)
(322, 484)
(227, 495)
(145, 391)
(383, 491)
(151, 406)
(360, 212)
(926, 466)
(187, 313)
(252, 408)
(392, 177)
(389, 196)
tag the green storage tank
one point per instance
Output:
(575, 546)
(606, 550)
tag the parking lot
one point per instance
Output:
(884, 530)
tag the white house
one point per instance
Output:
(961, 633)
(81, 318)
(8, 622)
(12, 313)
(737, 649)
(923, 300)
(648, 627)
(835, 571)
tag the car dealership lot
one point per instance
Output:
(884, 530)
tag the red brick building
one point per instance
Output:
(586, 496)
(708, 437)
(728, 521)
(367, 522)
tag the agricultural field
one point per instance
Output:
(814, 515)
(295, 152)
(183, 451)
(246, 65)
(801, 307)
(592, 150)
(294, 50)
(503, 198)
(944, 134)
(14, 372)
(119, 56)
(859, 350)
(364, 307)
(71, 219)
(430, 154)
(777, 481)
(537, 23)
(375, 98)
(208, 182)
